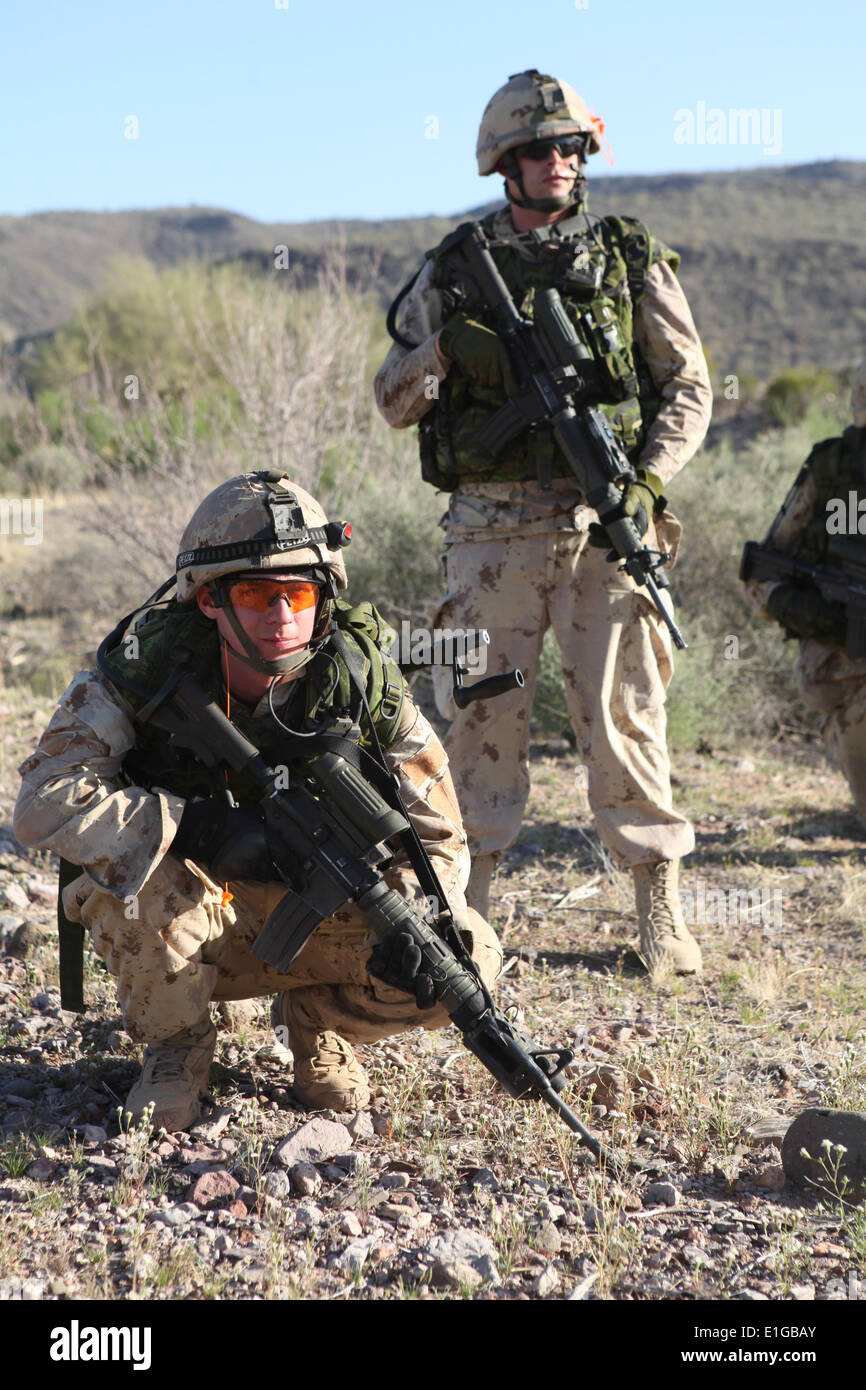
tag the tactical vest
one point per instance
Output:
(323, 700)
(599, 270)
(837, 466)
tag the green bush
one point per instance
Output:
(789, 396)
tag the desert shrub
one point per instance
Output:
(790, 394)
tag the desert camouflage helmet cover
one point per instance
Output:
(531, 106)
(254, 521)
(858, 395)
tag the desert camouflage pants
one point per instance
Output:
(177, 947)
(617, 664)
(830, 682)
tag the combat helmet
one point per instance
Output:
(858, 395)
(533, 106)
(257, 522)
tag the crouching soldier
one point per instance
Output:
(257, 621)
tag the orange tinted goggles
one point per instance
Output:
(260, 594)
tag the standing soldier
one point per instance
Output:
(829, 680)
(520, 556)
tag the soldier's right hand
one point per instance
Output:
(225, 841)
(804, 612)
(479, 351)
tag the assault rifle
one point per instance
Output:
(327, 831)
(842, 582)
(552, 365)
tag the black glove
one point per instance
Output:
(481, 353)
(396, 961)
(804, 612)
(641, 500)
(225, 841)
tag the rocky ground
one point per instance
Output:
(447, 1189)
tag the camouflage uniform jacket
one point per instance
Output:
(76, 801)
(665, 334)
(801, 514)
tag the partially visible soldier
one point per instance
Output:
(828, 680)
(520, 558)
(257, 613)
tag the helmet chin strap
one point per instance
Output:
(250, 656)
(280, 666)
(576, 194)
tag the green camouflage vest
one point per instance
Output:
(837, 466)
(325, 700)
(613, 253)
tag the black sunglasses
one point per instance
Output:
(566, 146)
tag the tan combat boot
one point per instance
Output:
(478, 887)
(328, 1075)
(664, 936)
(173, 1073)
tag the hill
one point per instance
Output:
(773, 260)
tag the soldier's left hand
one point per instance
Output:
(641, 500)
(397, 961)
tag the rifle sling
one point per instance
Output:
(410, 839)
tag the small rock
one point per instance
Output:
(13, 895)
(350, 1224)
(277, 1186)
(694, 1255)
(252, 1274)
(308, 1215)
(835, 1145)
(485, 1177)
(314, 1142)
(743, 765)
(26, 938)
(178, 1215)
(771, 1179)
(394, 1181)
(546, 1283)
(547, 1239)
(92, 1134)
(42, 1169)
(360, 1126)
(101, 1166)
(803, 1293)
(306, 1181)
(607, 1085)
(465, 1246)
(238, 1208)
(663, 1193)
(453, 1274)
(210, 1190)
(144, 1267)
(275, 1052)
(356, 1254)
(211, 1128)
(753, 1296)
(770, 1129)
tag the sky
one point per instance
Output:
(291, 110)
